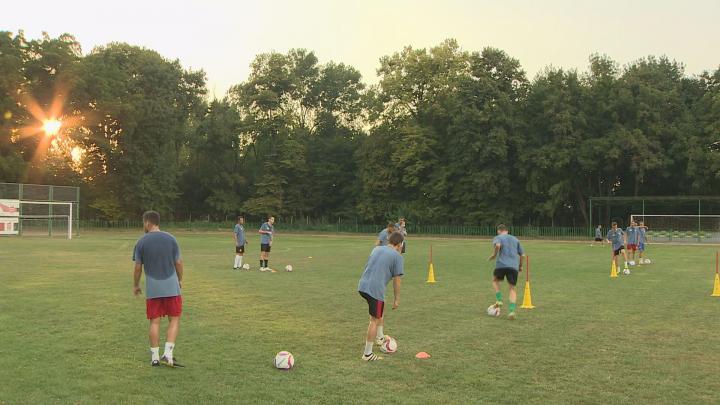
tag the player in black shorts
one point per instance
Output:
(509, 254)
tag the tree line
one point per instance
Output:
(446, 135)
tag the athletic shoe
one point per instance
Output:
(371, 357)
(511, 316)
(379, 341)
(498, 304)
(155, 363)
(235, 268)
(170, 363)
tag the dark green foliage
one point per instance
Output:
(446, 136)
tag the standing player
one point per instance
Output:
(266, 240)
(509, 253)
(240, 242)
(598, 234)
(642, 239)
(158, 254)
(382, 239)
(616, 237)
(632, 239)
(400, 227)
(385, 264)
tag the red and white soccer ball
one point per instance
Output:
(493, 310)
(284, 361)
(389, 345)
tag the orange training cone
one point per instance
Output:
(431, 270)
(527, 296)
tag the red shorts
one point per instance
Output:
(164, 306)
(632, 246)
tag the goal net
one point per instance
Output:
(43, 210)
(681, 228)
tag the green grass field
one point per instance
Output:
(72, 332)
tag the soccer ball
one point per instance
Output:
(626, 272)
(246, 266)
(288, 268)
(493, 310)
(389, 345)
(284, 361)
(647, 261)
(631, 262)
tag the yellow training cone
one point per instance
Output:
(716, 288)
(431, 270)
(431, 274)
(527, 297)
(613, 270)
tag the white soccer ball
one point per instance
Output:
(493, 310)
(389, 345)
(626, 272)
(647, 261)
(246, 266)
(284, 361)
(631, 262)
(288, 268)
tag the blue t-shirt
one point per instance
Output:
(384, 264)
(641, 235)
(598, 233)
(616, 237)
(632, 235)
(158, 252)
(383, 237)
(510, 252)
(266, 238)
(239, 232)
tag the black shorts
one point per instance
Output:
(376, 308)
(265, 247)
(598, 239)
(510, 273)
(240, 249)
(620, 249)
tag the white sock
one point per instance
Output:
(155, 352)
(235, 265)
(380, 334)
(169, 350)
(239, 260)
(368, 348)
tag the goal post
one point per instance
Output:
(38, 217)
(680, 228)
(39, 209)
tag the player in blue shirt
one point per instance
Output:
(633, 235)
(266, 240)
(508, 253)
(385, 264)
(240, 242)
(157, 254)
(616, 237)
(382, 239)
(642, 239)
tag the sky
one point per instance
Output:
(223, 37)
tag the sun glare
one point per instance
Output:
(52, 127)
(76, 154)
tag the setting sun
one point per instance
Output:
(52, 127)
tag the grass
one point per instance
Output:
(72, 332)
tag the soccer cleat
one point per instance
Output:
(371, 357)
(170, 363)
(498, 304)
(155, 363)
(511, 316)
(379, 341)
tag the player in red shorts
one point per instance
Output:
(158, 254)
